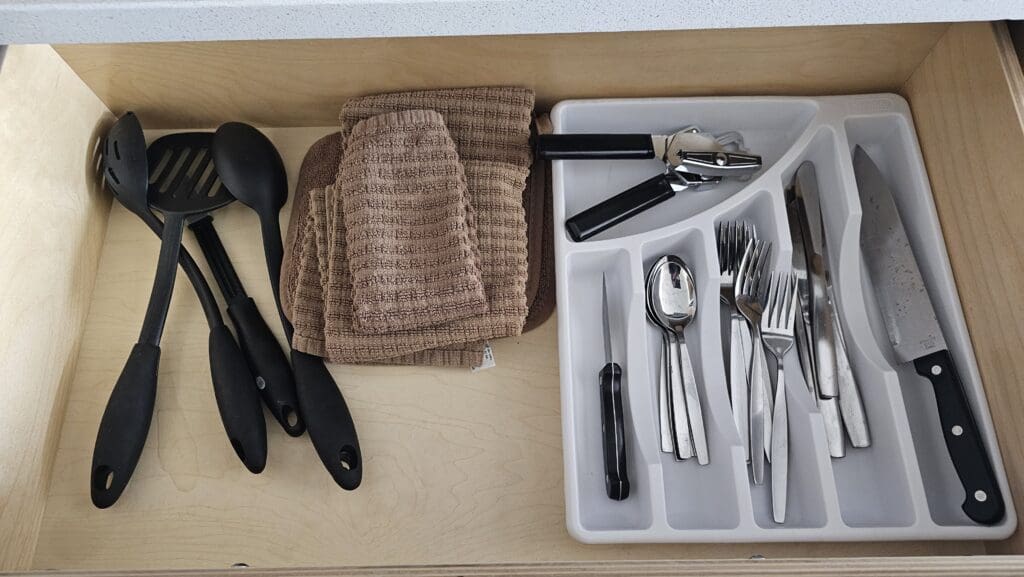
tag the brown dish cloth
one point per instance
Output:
(490, 128)
(318, 170)
(409, 230)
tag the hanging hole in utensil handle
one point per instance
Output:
(124, 425)
(595, 146)
(269, 364)
(619, 208)
(238, 400)
(328, 420)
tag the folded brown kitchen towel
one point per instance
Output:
(541, 245)
(410, 236)
(490, 129)
(319, 169)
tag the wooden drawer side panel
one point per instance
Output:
(966, 99)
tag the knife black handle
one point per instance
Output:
(613, 431)
(618, 208)
(984, 501)
(595, 146)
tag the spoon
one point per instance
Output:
(675, 305)
(664, 370)
(252, 169)
(127, 417)
(676, 401)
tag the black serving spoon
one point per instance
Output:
(252, 169)
(129, 411)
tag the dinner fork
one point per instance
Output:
(749, 292)
(732, 239)
(777, 332)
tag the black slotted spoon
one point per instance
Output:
(183, 185)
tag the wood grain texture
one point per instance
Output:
(304, 83)
(460, 467)
(967, 109)
(991, 566)
(51, 233)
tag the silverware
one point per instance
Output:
(732, 239)
(828, 408)
(842, 377)
(613, 429)
(675, 399)
(777, 332)
(675, 305)
(806, 187)
(914, 332)
(750, 288)
(664, 371)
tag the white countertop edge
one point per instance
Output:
(69, 21)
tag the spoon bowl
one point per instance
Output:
(674, 303)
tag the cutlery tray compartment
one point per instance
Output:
(901, 487)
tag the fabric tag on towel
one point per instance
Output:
(488, 362)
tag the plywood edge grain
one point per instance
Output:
(305, 82)
(860, 567)
(967, 99)
(51, 231)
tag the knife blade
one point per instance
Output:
(616, 478)
(916, 337)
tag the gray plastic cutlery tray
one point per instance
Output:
(902, 487)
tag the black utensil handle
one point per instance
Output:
(328, 419)
(163, 284)
(613, 432)
(217, 257)
(273, 250)
(238, 400)
(124, 425)
(268, 363)
(984, 501)
(618, 208)
(195, 276)
(594, 146)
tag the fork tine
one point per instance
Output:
(792, 302)
(741, 273)
(721, 256)
(771, 308)
(762, 269)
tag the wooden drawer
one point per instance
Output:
(463, 472)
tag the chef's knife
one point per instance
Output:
(916, 337)
(613, 430)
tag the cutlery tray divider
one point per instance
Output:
(877, 493)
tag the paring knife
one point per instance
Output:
(847, 392)
(613, 430)
(916, 337)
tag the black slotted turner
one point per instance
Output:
(183, 182)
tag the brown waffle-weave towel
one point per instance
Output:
(490, 128)
(409, 231)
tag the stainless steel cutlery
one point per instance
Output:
(750, 290)
(732, 239)
(777, 333)
(672, 306)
